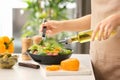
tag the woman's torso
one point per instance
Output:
(105, 54)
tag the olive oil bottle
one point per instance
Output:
(82, 37)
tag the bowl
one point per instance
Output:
(7, 61)
(47, 59)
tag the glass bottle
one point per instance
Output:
(82, 37)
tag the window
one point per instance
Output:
(6, 15)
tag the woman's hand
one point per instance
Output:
(53, 27)
(106, 26)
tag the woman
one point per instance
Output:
(105, 52)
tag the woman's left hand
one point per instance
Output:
(106, 26)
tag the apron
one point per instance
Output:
(105, 55)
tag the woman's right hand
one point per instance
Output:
(53, 27)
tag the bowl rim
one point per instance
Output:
(28, 52)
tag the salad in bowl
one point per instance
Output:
(49, 52)
(49, 47)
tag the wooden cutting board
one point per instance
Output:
(83, 70)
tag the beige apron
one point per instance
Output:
(105, 54)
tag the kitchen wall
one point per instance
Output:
(19, 19)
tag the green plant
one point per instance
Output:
(43, 9)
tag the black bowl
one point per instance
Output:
(47, 59)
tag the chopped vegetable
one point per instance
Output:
(71, 64)
(53, 67)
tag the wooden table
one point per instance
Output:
(23, 73)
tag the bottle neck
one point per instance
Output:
(73, 39)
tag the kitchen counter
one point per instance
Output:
(24, 73)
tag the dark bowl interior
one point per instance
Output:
(48, 60)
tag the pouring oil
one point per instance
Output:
(82, 37)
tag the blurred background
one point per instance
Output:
(21, 18)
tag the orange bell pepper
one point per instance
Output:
(6, 45)
(2, 49)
